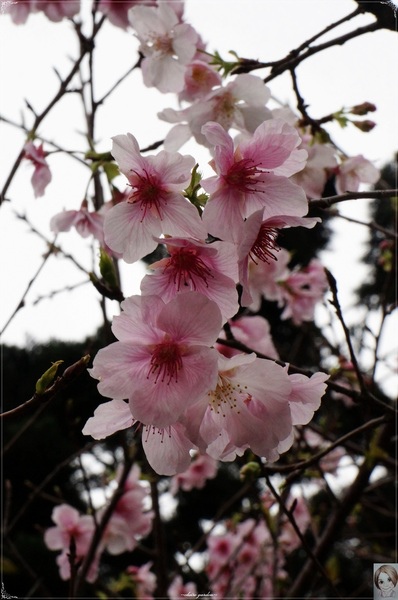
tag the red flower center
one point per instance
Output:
(242, 175)
(185, 266)
(148, 193)
(265, 245)
(166, 362)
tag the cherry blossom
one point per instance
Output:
(253, 177)
(354, 171)
(202, 468)
(199, 80)
(167, 449)
(240, 104)
(19, 11)
(248, 408)
(85, 222)
(302, 290)
(156, 204)
(297, 291)
(177, 589)
(144, 580)
(71, 528)
(129, 521)
(210, 269)
(258, 243)
(117, 11)
(320, 165)
(254, 332)
(56, 10)
(167, 44)
(41, 175)
(264, 278)
(163, 361)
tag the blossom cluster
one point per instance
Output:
(73, 533)
(184, 392)
(169, 373)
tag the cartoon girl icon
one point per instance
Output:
(386, 579)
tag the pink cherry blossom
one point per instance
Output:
(254, 332)
(108, 418)
(129, 521)
(319, 167)
(144, 580)
(177, 589)
(117, 10)
(167, 449)
(248, 408)
(202, 468)
(258, 243)
(167, 45)
(19, 11)
(163, 361)
(240, 104)
(210, 269)
(56, 10)
(297, 291)
(41, 175)
(354, 171)
(253, 177)
(305, 396)
(85, 222)
(302, 290)
(264, 278)
(156, 204)
(199, 80)
(70, 525)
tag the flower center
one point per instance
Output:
(265, 245)
(148, 193)
(224, 109)
(185, 266)
(166, 362)
(226, 395)
(242, 175)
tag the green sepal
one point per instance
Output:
(107, 270)
(47, 378)
(191, 192)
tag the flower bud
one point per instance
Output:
(249, 471)
(364, 126)
(47, 378)
(363, 109)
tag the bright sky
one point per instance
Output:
(364, 69)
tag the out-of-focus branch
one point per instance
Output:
(100, 529)
(290, 516)
(338, 517)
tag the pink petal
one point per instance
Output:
(108, 418)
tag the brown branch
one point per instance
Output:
(291, 62)
(69, 375)
(330, 200)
